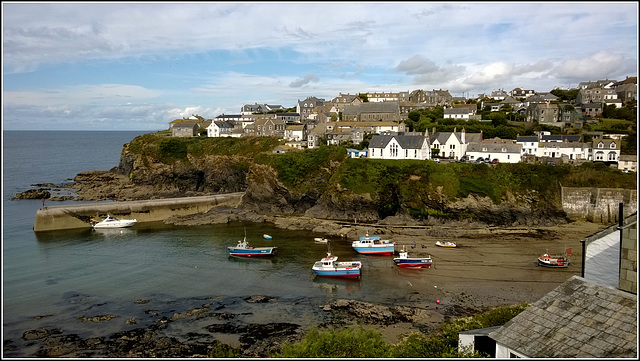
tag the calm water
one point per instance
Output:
(56, 274)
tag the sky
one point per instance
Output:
(141, 65)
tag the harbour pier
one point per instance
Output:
(52, 218)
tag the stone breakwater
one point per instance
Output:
(153, 210)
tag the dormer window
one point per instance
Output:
(600, 145)
(613, 145)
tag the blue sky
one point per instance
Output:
(138, 66)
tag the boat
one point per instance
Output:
(244, 249)
(553, 261)
(404, 261)
(446, 244)
(373, 245)
(112, 222)
(330, 267)
(267, 237)
(321, 240)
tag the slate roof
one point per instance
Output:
(578, 319)
(372, 107)
(527, 138)
(560, 138)
(442, 137)
(406, 141)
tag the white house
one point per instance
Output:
(529, 144)
(628, 163)
(295, 132)
(503, 152)
(453, 144)
(458, 113)
(605, 150)
(220, 129)
(400, 146)
(568, 150)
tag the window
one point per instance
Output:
(394, 150)
(612, 156)
(600, 145)
(613, 145)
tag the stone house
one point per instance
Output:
(430, 98)
(595, 95)
(256, 108)
(338, 103)
(628, 91)
(269, 127)
(185, 129)
(543, 113)
(400, 146)
(591, 110)
(372, 112)
(305, 107)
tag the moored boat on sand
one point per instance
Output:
(446, 244)
(553, 261)
(404, 261)
(373, 245)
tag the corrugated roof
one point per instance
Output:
(578, 319)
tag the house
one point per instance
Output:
(400, 146)
(499, 94)
(595, 95)
(371, 112)
(185, 129)
(627, 92)
(605, 150)
(338, 103)
(452, 144)
(521, 93)
(256, 108)
(503, 152)
(628, 163)
(565, 151)
(269, 127)
(529, 144)
(546, 138)
(305, 107)
(220, 129)
(578, 319)
(543, 113)
(459, 113)
(387, 97)
(430, 98)
(591, 110)
(295, 132)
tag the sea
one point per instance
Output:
(52, 280)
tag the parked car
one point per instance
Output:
(495, 161)
(437, 160)
(480, 160)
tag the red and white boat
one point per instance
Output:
(554, 261)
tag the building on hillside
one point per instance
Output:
(628, 163)
(220, 129)
(356, 153)
(256, 108)
(595, 95)
(269, 127)
(522, 93)
(529, 144)
(543, 113)
(381, 97)
(185, 129)
(627, 92)
(605, 150)
(564, 152)
(305, 107)
(458, 113)
(430, 98)
(296, 132)
(507, 152)
(591, 110)
(452, 145)
(400, 146)
(372, 112)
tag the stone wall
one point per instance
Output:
(598, 205)
(629, 256)
(78, 216)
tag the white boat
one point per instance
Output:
(267, 237)
(330, 267)
(321, 240)
(112, 222)
(446, 244)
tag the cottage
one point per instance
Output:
(400, 146)
(269, 127)
(503, 152)
(184, 129)
(628, 163)
(220, 129)
(458, 113)
(578, 319)
(605, 150)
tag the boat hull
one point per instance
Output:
(410, 263)
(553, 265)
(262, 251)
(385, 250)
(121, 224)
(355, 273)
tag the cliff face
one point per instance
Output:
(143, 177)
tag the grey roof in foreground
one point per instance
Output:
(406, 141)
(578, 319)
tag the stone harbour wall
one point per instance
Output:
(79, 216)
(598, 205)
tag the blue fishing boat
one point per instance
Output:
(404, 261)
(373, 245)
(330, 267)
